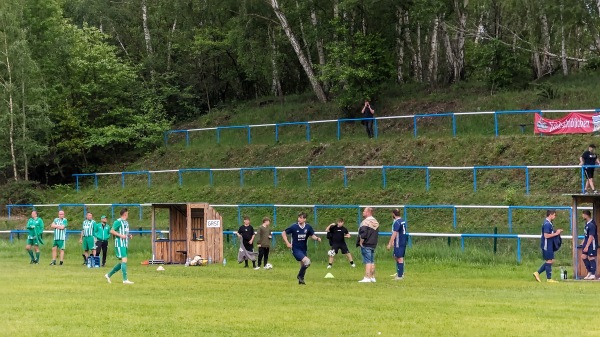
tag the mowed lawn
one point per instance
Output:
(435, 299)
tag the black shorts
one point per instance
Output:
(340, 246)
(589, 172)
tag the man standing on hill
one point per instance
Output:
(120, 230)
(547, 244)
(398, 240)
(87, 237)
(337, 234)
(589, 246)
(368, 112)
(246, 232)
(368, 235)
(60, 235)
(102, 234)
(35, 226)
(300, 232)
(589, 158)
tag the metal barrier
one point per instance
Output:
(414, 118)
(315, 220)
(344, 169)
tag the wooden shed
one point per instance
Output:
(194, 229)
(579, 200)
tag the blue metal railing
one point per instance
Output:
(344, 170)
(414, 118)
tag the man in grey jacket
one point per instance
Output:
(368, 235)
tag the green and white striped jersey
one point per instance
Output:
(88, 227)
(60, 234)
(122, 227)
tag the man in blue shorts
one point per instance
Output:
(398, 240)
(300, 232)
(368, 235)
(547, 245)
(589, 246)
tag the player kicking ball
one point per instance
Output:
(300, 232)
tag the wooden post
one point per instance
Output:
(574, 234)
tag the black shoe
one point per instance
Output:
(31, 262)
(36, 262)
(301, 280)
(103, 265)
(53, 263)
(60, 263)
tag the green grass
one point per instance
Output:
(441, 295)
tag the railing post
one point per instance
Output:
(241, 177)
(474, 179)
(122, 180)
(519, 249)
(315, 215)
(454, 217)
(510, 219)
(218, 135)
(274, 217)
(95, 180)
(187, 138)
(149, 179)
(383, 176)
(582, 180)
(526, 180)
(308, 132)
(76, 183)
(338, 130)
(8, 211)
(275, 176)
(276, 133)
(427, 178)
(496, 122)
(376, 132)
(462, 243)
(210, 176)
(180, 177)
(249, 136)
(308, 175)
(166, 137)
(345, 178)
(239, 214)
(453, 125)
(415, 126)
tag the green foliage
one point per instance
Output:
(20, 192)
(358, 68)
(497, 65)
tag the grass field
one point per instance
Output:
(442, 295)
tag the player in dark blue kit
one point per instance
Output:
(547, 245)
(589, 158)
(589, 246)
(300, 232)
(398, 241)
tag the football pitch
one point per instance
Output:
(437, 298)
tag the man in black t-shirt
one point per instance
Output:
(337, 234)
(246, 233)
(589, 157)
(368, 111)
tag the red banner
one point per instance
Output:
(572, 123)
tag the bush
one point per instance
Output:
(20, 192)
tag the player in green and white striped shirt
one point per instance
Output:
(60, 235)
(120, 230)
(35, 226)
(87, 237)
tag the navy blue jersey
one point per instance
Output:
(546, 244)
(399, 226)
(590, 231)
(589, 158)
(300, 235)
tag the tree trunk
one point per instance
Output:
(8, 86)
(301, 57)
(320, 45)
(170, 44)
(146, 30)
(450, 56)
(546, 60)
(276, 82)
(563, 47)
(433, 52)
(304, 40)
(459, 64)
(399, 45)
(411, 49)
(419, 70)
(24, 130)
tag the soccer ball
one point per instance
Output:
(331, 252)
(268, 266)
